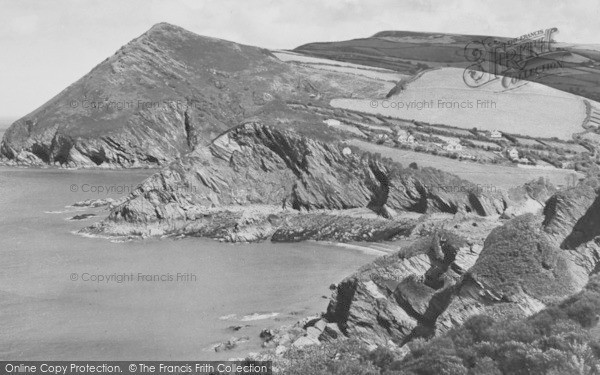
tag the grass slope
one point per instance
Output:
(532, 109)
(403, 50)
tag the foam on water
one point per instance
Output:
(228, 317)
(46, 314)
(258, 316)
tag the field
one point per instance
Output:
(441, 96)
(528, 142)
(297, 57)
(408, 124)
(376, 128)
(410, 52)
(369, 73)
(455, 131)
(391, 51)
(567, 147)
(496, 176)
(340, 66)
(592, 137)
(491, 145)
(448, 139)
(334, 84)
(484, 155)
(348, 128)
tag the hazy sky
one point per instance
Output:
(47, 45)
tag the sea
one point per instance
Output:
(64, 296)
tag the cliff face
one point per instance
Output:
(572, 216)
(519, 271)
(439, 282)
(282, 173)
(401, 295)
(163, 94)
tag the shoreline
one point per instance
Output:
(354, 246)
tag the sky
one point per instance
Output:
(47, 45)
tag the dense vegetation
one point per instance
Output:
(561, 339)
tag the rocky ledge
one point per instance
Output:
(258, 182)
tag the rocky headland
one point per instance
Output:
(258, 182)
(165, 93)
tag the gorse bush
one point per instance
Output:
(557, 340)
(344, 357)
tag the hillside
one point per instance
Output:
(440, 96)
(560, 339)
(410, 52)
(169, 91)
(165, 93)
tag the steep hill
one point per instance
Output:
(163, 94)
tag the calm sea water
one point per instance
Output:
(46, 315)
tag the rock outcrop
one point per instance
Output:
(399, 296)
(440, 281)
(572, 217)
(262, 180)
(519, 271)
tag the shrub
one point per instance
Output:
(342, 357)
(557, 340)
(437, 364)
(382, 358)
(479, 327)
(485, 366)
(585, 310)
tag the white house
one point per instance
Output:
(346, 151)
(513, 153)
(332, 122)
(405, 138)
(453, 146)
(495, 134)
